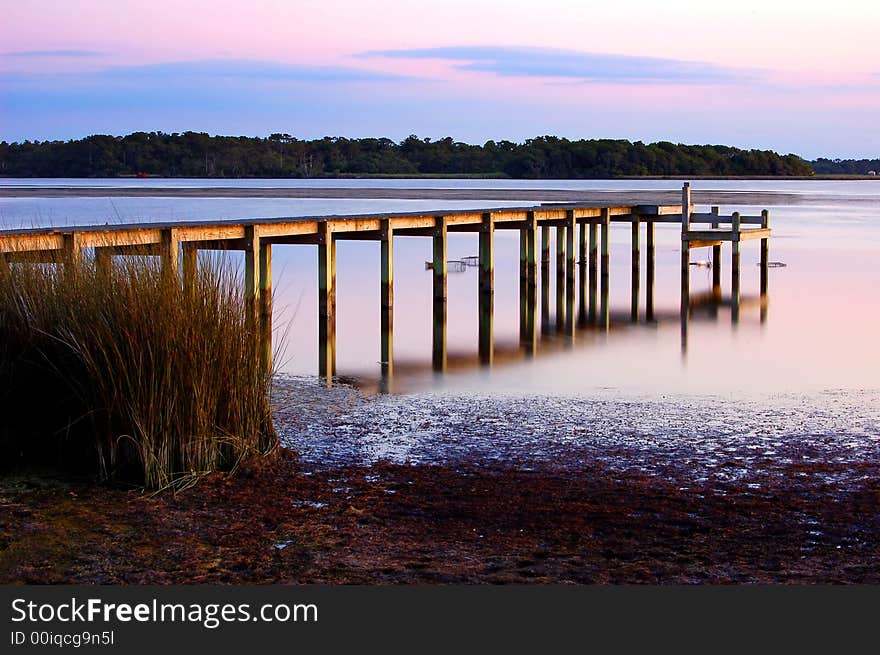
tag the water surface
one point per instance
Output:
(806, 365)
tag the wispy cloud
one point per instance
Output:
(514, 61)
(199, 72)
(248, 69)
(34, 54)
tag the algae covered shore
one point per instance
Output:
(717, 508)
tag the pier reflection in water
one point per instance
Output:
(579, 258)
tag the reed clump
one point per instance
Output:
(125, 371)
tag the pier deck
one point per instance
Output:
(582, 243)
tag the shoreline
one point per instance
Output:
(671, 197)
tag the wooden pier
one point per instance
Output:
(582, 261)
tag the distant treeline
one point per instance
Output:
(846, 166)
(194, 154)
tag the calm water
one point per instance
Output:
(812, 366)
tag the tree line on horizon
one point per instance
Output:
(196, 154)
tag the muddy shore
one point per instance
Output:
(439, 488)
(281, 521)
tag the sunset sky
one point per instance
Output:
(798, 77)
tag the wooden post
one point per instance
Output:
(606, 247)
(582, 274)
(265, 305)
(649, 274)
(103, 263)
(636, 259)
(594, 267)
(531, 261)
(545, 245)
(734, 268)
(560, 278)
(326, 302)
(686, 207)
(190, 264)
(570, 257)
(251, 270)
(527, 284)
(685, 251)
(765, 252)
(486, 290)
(169, 251)
(605, 318)
(716, 261)
(386, 293)
(439, 355)
(71, 255)
(545, 279)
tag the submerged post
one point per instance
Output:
(326, 302)
(439, 355)
(386, 302)
(487, 288)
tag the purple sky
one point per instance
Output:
(791, 76)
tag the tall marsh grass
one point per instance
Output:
(128, 373)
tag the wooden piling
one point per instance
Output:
(190, 264)
(386, 294)
(560, 278)
(685, 250)
(486, 289)
(765, 253)
(716, 260)
(605, 223)
(72, 251)
(605, 308)
(439, 354)
(169, 251)
(326, 302)
(545, 279)
(734, 268)
(635, 275)
(593, 266)
(528, 284)
(582, 275)
(266, 306)
(103, 263)
(570, 259)
(531, 261)
(649, 273)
